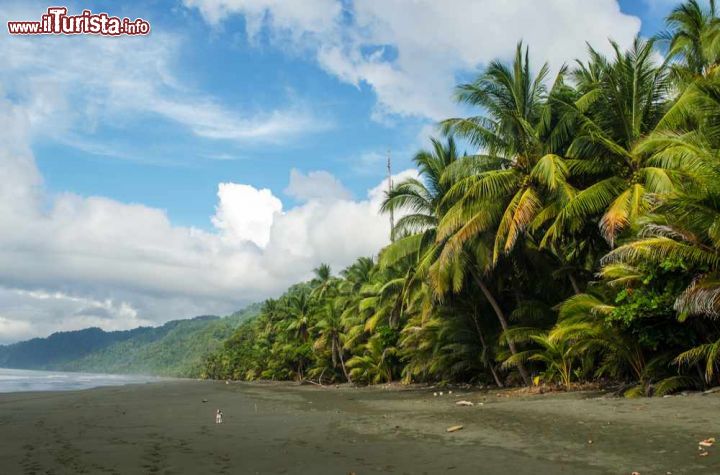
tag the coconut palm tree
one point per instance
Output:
(356, 277)
(323, 281)
(692, 38)
(507, 187)
(299, 312)
(623, 100)
(330, 335)
(428, 278)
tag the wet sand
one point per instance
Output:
(166, 428)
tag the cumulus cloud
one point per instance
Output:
(315, 185)
(68, 261)
(411, 53)
(245, 213)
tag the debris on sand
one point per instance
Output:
(464, 403)
(454, 428)
(707, 442)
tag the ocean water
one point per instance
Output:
(15, 380)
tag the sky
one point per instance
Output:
(239, 145)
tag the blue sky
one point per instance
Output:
(168, 168)
(240, 144)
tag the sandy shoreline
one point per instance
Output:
(166, 428)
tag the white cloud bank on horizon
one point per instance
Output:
(410, 54)
(68, 262)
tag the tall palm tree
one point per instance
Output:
(498, 195)
(354, 314)
(504, 188)
(323, 281)
(421, 199)
(430, 276)
(622, 102)
(299, 312)
(424, 203)
(693, 39)
(330, 334)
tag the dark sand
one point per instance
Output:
(166, 428)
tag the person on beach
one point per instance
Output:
(218, 417)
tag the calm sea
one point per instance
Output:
(14, 380)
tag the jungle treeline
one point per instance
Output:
(581, 243)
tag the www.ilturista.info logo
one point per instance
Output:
(57, 22)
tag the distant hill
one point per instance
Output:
(173, 349)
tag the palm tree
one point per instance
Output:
(505, 188)
(427, 200)
(685, 229)
(374, 364)
(330, 334)
(582, 319)
(299, 310)
(322, 282)
(557, 355)
(356, 277)
(692, 38)
(622, 103)
(421, 200)
(707, 352)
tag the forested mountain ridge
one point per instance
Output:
(173, 349)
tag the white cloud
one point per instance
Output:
(315, 185)
(72, 84)
(68, 261)
(33, 313)
(411, 52)
(245, 213)
(291, 17)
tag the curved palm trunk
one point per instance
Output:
(342, 361)
(485, 358)
(503, 323)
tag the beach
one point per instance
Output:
(168, 428)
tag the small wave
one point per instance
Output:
(13, 380)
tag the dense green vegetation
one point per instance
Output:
(176, 348)
(580, 243)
